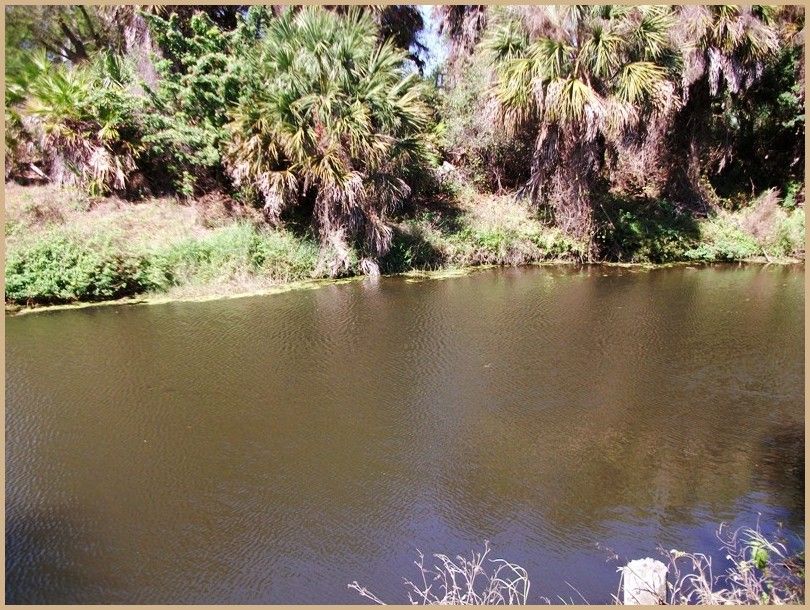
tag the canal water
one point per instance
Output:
(274, 449)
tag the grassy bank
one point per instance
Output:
(64, 247)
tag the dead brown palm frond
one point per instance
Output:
(725, 44)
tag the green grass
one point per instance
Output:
(721, 239)
(484, 230)
(724, 237)
(234, 252)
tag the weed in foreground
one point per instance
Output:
(763, 570)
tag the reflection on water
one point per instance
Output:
(273, 449)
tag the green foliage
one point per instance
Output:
(759, 555)
(658, 232)
(200, 79)
(495, 232)
(68, 33)
(587, 81)
(416, 244)
(722, 239)
(491, 156)
(505, 245)
(234, 251)
(766, 128)
(329, 113)
(317, 114)
(791, 194)
(652, 231)
(619, 96)
(789, 236)
(63, 267)
(81, 122)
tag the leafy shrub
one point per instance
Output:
(793, 192)
(722, 239)
(63, 267)
(557, 244)
(506, 245)
(201, 72)
(646, 231)
(789, 236)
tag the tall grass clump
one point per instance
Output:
(763, 569)
(238, 252)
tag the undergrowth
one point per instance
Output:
(62, 249)
(65, 266)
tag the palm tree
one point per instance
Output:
(462, 25)
(79, 120)
(331, 117)
(399, 23)
(69, 33)
(725, 50)
(589, 77)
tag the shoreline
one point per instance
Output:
(13, 310)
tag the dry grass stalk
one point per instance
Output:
(762, 571)
(463, 582)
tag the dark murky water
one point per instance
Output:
(273, 449)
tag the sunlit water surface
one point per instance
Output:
(274, 449)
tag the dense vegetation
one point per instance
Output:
(324, 148)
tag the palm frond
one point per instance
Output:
(330, 109)
(637, 81)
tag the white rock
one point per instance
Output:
(644, 582)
